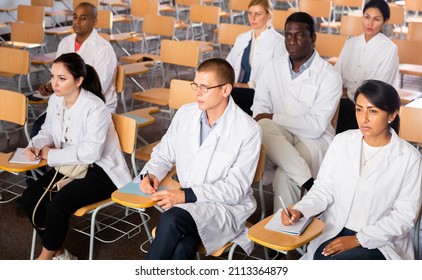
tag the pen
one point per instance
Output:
(33, 150)
(150, 180)
(284, 207)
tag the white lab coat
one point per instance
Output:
(304, 106)
(392, 196)
(271, 45)
(220, 171)
(91, 135)
(97, 52)
(360, 60)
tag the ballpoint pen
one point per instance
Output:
(285, 208)
(33, 149)
(150, 180)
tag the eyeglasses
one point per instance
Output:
(202, 88)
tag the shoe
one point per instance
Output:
(66, 256)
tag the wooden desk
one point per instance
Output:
(17, 167)
(281, 241)
(142, 200)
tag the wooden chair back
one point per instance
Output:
(413, 5)
(120, 79)
(14, 61)
(93, 2)
(140, 8)
(228, 32)
(188, 2)
(415, 31)
(316, 8)
(159, 25)
(279, 18)
(407, 50)
(259, 173)
(43, 3)
(104, 19)
(32, 14)
(27, 32)
(126, 129)
(13, 107)
(410, 124)
(396, 14)
(348, 3)
(180, 93)
(329, 45)
(351, 25)
(205, 14)
(183, 53)
(238, 5)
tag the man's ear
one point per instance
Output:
(227, 89)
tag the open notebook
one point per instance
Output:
(296, 229)
(18, 156)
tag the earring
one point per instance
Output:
(389, 121)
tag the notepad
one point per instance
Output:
(18, 156)
(296, 229)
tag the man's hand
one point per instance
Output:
(168, 198)
(146, 186)
(46, 89)
(264, 116)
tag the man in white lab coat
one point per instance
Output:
(215, 147)
(295, 100)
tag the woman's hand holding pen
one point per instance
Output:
(290, 219)
(32, 153)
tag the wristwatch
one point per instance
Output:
(356, 239)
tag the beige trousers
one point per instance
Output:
(291, 160)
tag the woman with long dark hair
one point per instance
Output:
(78, 132)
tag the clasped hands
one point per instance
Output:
(336, 246)
(166, 199)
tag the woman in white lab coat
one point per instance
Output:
(372, 55)
(252, 51)
(78, 130)
(368, 187)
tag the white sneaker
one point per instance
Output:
(66, 256)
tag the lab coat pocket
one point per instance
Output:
(307, 95)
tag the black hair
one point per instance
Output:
(383, 96)
(303, 18)
(381, 5)
(77, 68)
(222, 69)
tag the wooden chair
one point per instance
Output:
(140, 8)
(410, 64)
(15, 63)
(414, 31)
(184, 53)
(126, 129)
(351, 25)
(198, 17)
(32, 14)
(14, 110)
(283, 242)
(26, 35)
(412, 8)
(180, 93)
(228, 32)
(329, 46)
(279, 18)
(317, 9)
(341, 8)
(410, 130)
(180, 6)
(397, 20)
(49, 11)
(237, 9)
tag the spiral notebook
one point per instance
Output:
(296, 229)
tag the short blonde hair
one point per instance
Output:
(266, 4)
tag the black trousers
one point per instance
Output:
(357, 253)
(54, 214)
(243, 97)
(176, 237)
(346, 116)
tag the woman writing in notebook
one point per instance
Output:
(252, 51)
(368, 188)
(78, 131)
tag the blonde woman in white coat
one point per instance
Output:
(215, 147)
(78, 130)
(368, 187)
(253, 50)
(371, 55)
